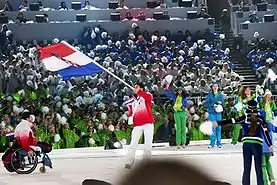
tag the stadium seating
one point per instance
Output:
(44, 31)
(100, 14)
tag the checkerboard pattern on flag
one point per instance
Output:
(67, 61)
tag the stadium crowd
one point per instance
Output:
(262, 56)
(85, 111)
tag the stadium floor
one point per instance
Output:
(72, 166)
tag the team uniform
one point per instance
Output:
(140, 111)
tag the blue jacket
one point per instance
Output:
(271, 129)
(261, 136)
(211, 100)
(173, 97)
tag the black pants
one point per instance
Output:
(249, 150)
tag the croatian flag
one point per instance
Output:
(129, 101)
(67, 61)
(10, 135)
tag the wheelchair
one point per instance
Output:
(16, 159)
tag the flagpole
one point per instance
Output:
(106, 70)
(109, 72)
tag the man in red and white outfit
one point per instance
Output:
(24, 134)
(140, 112)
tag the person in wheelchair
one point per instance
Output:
(24, 134)
(26, 139)
(22, 155)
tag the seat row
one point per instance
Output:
(46, 31)
(264, 20)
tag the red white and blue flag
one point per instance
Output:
(10, 134)
(67, 61)
(129, 102)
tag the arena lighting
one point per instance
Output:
(113, 144)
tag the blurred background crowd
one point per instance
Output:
(87, 111)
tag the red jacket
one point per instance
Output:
(143, 114)
(24, 135)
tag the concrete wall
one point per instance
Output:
(241, 17)
(101, 14)
(73, 30)
(235, 23)
(266, 30)
(96, 3)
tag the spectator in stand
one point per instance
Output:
(3, 38)
(166, 16)
(46, 18)
(121, 3)
(63, 6)
(203, 14)
(238, 43)
(225, 22)
(21, 18)
(204, 88)
(87, 5)
(253, 18)
(24, 6)
(40, 4)
(261, 57)
(7, 7)
(128, 16)
(141, 16)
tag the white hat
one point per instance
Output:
(163, 38)
(30, 83)
(56, 40)
(256, 34)
(93, 35)
(267, 92)
(196, 117)
(134, 25)
(98, 47)
(269, 60)
(132, 36)
(104, 35)
(96, 30)
(110, 42)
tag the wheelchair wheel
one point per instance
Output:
(42, 169)
(9, 168)
(22, 163)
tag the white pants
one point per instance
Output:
(148, 131)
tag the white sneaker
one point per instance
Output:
(210, 147)
(178, 147)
